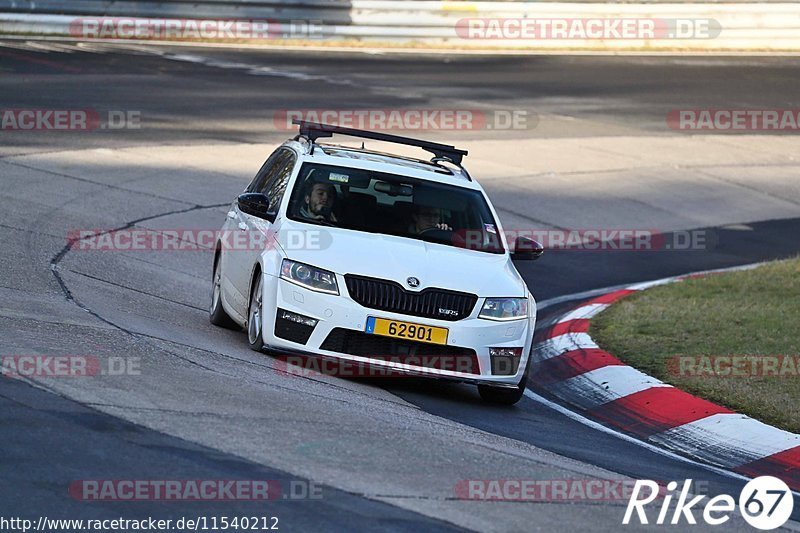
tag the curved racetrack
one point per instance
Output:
(388, 455)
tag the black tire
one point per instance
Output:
(216, 313)
(502, 395)
(255, 313)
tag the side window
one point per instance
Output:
(279, 179)
(260, 181)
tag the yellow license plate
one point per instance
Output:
(406, 330)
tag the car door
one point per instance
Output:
(235, 266)
(259, 232)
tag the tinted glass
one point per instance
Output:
(394, 205)
(259, 183)
(279, 178)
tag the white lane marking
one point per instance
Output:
(21, 46)
(544, 304)
(583, 295)
(51, 47)
(250, 68)
(731, 437)
(572, 415)
(555, 346)
(598, 387)
(99, 48)
(45, 47)
(655, 283)
(583, 312)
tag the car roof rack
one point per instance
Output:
(441, 152)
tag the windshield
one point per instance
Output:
(375, 202)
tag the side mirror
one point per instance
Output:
(255, 204)
(526, 249)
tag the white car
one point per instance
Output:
(365, 258)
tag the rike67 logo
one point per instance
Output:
(765, 503)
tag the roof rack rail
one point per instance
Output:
(313, 131)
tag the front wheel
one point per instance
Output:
(216, 313)
(502, 395)
(255, 316)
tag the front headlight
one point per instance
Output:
(504, 309)
(310, 277)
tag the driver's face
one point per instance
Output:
(321, 196)
(426, 217)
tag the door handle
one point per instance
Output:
(231, 214)
(242, 226)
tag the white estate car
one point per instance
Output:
(361, 257)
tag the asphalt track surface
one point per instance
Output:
(356, 436)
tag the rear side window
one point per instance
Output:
(276, 185)
(273, 166)
(274, 175)
(260, 181)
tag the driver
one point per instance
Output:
(426, 218)
(318, 202)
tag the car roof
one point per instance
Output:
(331, 154)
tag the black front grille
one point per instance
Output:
(421, 354)
(390, 296)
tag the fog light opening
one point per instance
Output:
(505, 361)
(298, 319)
(294, 327)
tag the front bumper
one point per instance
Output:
(343, 313)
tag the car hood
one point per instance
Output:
(397, 259)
